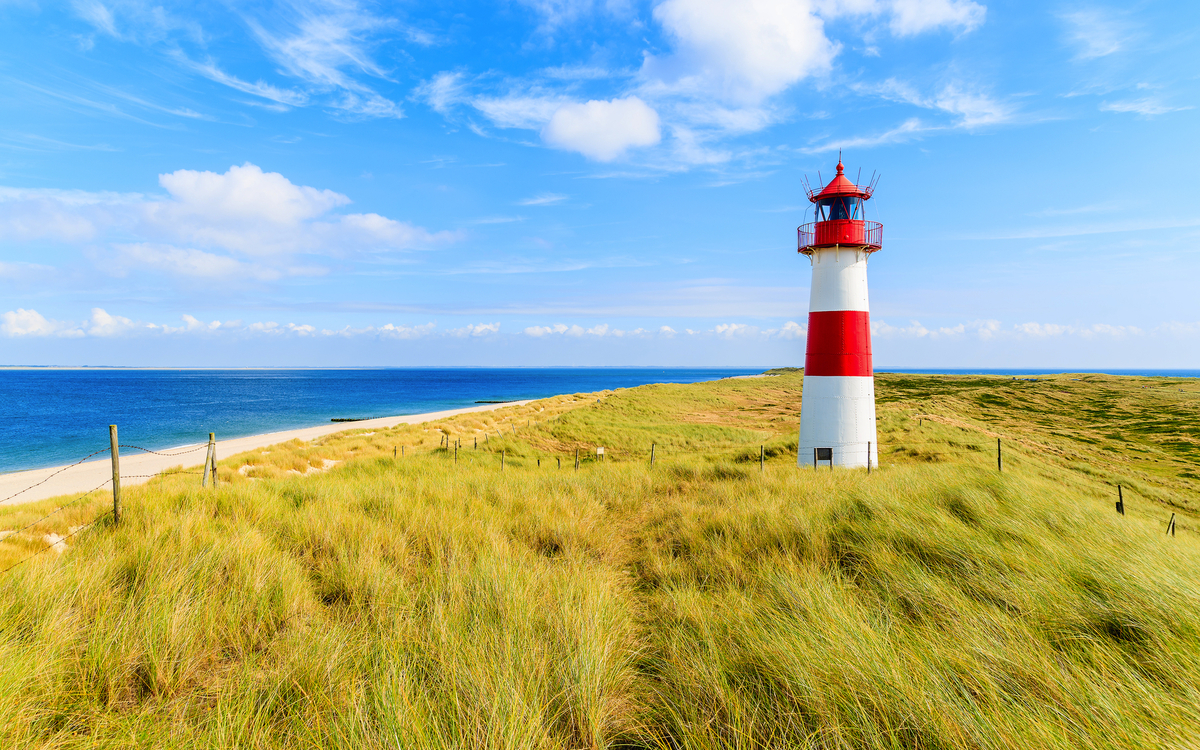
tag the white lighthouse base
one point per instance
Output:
(838, 413)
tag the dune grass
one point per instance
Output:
(330, 595)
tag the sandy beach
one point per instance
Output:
(138, 467)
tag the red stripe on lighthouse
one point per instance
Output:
(839, 343)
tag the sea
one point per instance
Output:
(50, 416)
(57, 416)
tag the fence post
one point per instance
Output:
(207, 462)
(868, 458)
(213, 437)
(456, 454)
(559, 462)
(760, 458)
(576, 459)
(652, 455)
(116, 467)
(814, 459)
(501, 460)
(1120, 501)
(402, 451)
(999, 456)
(476, 442)
(1171, 525)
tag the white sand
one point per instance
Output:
(90, 474)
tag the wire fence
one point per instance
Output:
(450, 445)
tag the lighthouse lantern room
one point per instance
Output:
(837, 410)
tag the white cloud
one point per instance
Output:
(667, 331)
(244, 213)
(603, 130)
(539, 331)
(519, 111)
(740, 52)
(793, 330)
(545, 199)
(406, 332)
(1096, 32)
(1046, 330)
(443, 91)
(911, 17)
(481, 329)
(284, 97)
(983, 329)
(22, 322)
(734, 330)
(103, 324)
(1147, 107)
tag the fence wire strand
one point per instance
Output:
(60, 541)
(47, 479)
(161, 453)
(61, 507)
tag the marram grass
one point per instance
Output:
(419, 603)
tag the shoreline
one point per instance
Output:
(84, 477)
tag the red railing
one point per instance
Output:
(839, 232)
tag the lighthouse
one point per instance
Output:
(837, 409)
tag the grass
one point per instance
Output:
(416, 602)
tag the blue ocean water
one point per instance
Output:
(50, 417)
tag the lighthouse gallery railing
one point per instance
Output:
(844, 232)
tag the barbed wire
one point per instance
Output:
(54, 474)
(161, 453)
(61, 507)
(59, 541)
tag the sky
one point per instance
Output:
(592, 182)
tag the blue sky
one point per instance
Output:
(592, 182)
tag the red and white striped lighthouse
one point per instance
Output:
(837, 410)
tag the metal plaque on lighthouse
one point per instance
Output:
(837, 409)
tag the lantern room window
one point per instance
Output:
(840, 208)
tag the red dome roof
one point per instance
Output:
(840, 185)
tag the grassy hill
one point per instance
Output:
(330, 595)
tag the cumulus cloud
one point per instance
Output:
(793, 330)
(22, 322)
(743, 52)
(984, 329)
(603, 130)
(104, 324)
(480, 329)
(244, 223)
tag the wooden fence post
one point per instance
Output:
(652, 455)
(761, 455)
(207, 462)
(868, 458)
(116, 468)
(814, 459)
(576, 459)
(1120, 501)
(999, 456)
(1171, 525)
(559, 461)
(213, 436)
(501, 460)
